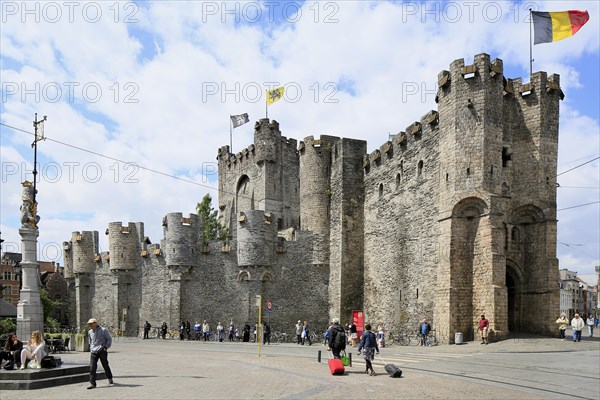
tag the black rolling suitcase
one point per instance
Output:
(391, 369)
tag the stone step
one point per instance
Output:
(38, 379)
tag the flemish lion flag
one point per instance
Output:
(553, 26)
(239, 120)
(274, 95)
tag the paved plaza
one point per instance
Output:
(527, 368)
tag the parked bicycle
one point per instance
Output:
(403, 339)
(431, 339)
(279, 337)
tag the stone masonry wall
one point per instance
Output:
(454, 217)
(400, 236)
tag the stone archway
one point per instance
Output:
(514, 288)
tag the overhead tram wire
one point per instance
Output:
(571, 246)
(216, 189)
(578, 205)
(529, 184)
(125, 162)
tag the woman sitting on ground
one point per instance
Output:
(36, 349)
(12, 352)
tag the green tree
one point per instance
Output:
(7, 325)
(49, 306)
(210, 220)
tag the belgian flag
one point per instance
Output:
(553, 26)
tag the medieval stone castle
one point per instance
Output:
(453, 218)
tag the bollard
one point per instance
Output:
(319, 356)
(349, 359)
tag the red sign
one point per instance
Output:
(358, 319)
(269, 305)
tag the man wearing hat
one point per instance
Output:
(100, 342)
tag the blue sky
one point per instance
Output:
(151, 85)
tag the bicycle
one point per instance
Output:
(172, 334)
(405, 340)
(279, 337)
(154, 333)
(431, 339)
(117, 332)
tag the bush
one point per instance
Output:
(7, 325)
(51, 325)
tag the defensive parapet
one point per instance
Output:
(124, 243)
(257, 238)
(183, 236)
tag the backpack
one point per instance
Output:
(340, 340)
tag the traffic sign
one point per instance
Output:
(269, 305)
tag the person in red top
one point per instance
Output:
(484, 326)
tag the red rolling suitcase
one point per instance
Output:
(335, 366)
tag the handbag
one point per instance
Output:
(345, 359)
(48, 362)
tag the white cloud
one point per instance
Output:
(156, 108)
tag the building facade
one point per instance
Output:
(576, 295)
(453, 218)
(51, 277)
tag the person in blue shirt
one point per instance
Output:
(368, 344)
(100, 342)
(424, 329)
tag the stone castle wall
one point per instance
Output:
(453, 218)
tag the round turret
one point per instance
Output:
(68, 259)
(267, 140)
(124, 245)
(84, 247)
(182, 239)
(257, 236)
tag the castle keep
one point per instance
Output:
(453, 218)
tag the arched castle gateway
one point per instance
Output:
(454, 217)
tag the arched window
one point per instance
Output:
(420, 168)
(514, 234)
(381, 190)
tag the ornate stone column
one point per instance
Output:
(30, 315)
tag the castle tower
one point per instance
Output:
(125, 243)
(181, 245)
(263, 176)
(257, 237)
(530, 230)
(267, 139)
(480, 117)
(346, 219)
(81, 252)
(315, 192)
(183, 237)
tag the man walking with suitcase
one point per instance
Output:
(337, 339)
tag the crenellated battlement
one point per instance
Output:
(182, 239)
(124, 244)
(412, 137)
(80, 253)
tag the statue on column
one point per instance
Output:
(29, 217)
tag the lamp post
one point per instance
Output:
(30, 315)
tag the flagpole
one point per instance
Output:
(34, 145)
(230, 135)
(530, 45)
